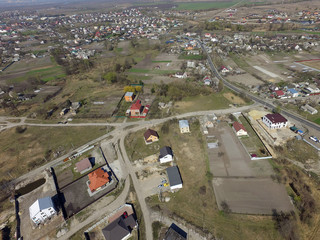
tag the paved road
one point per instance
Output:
(137, 187)
(264, 102)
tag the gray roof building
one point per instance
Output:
(120, 228)
(174, 177)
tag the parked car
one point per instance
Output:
(313, 138)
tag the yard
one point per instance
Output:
(220, 100)
(190, 154)
(252, 142)
(37, 145)
(66, 172)
(191, 157)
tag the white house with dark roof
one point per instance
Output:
(166, 155)
(41, 210)
(275, 121)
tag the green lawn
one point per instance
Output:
(155, 71)
(195, 202)
(169, 61)
(45, 74)
(205, 5)
(37, 145)
(252, 143)
(202, 103)
(191, 57)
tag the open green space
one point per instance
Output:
(45, 74)
(154, 71)
(69, 167)
(164, 61)
(252, 143)
(191, 158)
(239, 60)
(202, 103)
(191, 57)
(31, 147)
(205, 5)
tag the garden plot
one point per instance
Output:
(245, 79)
(67, 173)
(163, 65)
(243, 185)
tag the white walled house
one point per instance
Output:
(184, 126)
(41, 210)
(275, 121)
(239, 129)
(166, 155)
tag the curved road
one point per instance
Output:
(253, 97)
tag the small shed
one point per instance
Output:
(84, 165)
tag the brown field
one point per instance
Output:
(314, 64)
(21, 152)
(195, 202)
(233, 98)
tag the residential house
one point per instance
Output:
(98, 179)
(175, 233)
(191, 64)
(64, 111)
(174, 177)
(224, 69)
(184, 126)
(120, 228)
(274, 121)
(279, 94)
(42, 210)
(292, 92)
(74, 107)
(181, 75)
(309, 109)
(239, 129)
(151, 136)
(129, 97)
(84, 165)
(166, 155)
(137, 110)
(207, 81)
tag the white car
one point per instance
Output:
(313, 138)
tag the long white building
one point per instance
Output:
(275, 121)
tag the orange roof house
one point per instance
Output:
(98, 179)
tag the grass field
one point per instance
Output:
(195, 202)
(205, 5)
(314, 64)
(252, 143)
(202, 103)
(45, 74)
(191, 57)
(155, 71)
(168, 61)
(37, 143)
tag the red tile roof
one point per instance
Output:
(97, 179)
(279, 92)
(238, 126)
(136, 105)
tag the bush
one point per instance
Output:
(20, 129)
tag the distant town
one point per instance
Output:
(160, 120)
